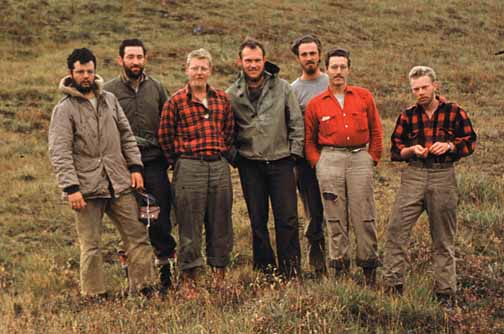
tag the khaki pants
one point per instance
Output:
(123, 212)
(433, 190)
(346, 184)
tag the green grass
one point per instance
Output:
(39, 253)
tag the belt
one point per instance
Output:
(352, 149)
(430, 164)
(213, 157)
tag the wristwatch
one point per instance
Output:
(450, 146)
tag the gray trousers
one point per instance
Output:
(435, 191)
(346, 184)
(203, 196)
(123, 211)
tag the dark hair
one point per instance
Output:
(251, 43)
(337, 52)
(306, 39)
(83, 56)
(131, 42)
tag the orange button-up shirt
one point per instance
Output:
(357, 124)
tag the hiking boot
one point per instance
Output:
(218, 275)
(188, 289)
(394, 289)
(165, 281)
(370, 277)
(447, 301)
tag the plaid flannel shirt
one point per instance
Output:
(449, 123)
(188, 128)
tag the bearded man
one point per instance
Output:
(142, 98)
(97, 163)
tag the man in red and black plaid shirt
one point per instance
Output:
(196, 130)
(430, 136)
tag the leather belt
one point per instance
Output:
(209, 158)
(352, 149)
(430, 164)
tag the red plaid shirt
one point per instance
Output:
(188, 128)
(449, 123)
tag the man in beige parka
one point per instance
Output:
(97, 163)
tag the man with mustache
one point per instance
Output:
(142, 98)
(269, 138)
(344, 143)
(430, 136)
(312, 82)
(97, 164)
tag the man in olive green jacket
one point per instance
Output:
(270, 137)
(142, 98)
(97, 163)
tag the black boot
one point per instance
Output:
(341, 267)
(394, 289)
(370, 277)
(165, 278)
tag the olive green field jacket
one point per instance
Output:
(275, 129)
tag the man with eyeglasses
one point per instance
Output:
(343, 136)
(195, 133)
(142, 98)
(97, 163)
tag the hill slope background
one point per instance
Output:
(38, 250)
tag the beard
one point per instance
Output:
(309, 69)
(133, 75)
(85, 89)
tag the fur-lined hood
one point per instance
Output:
(65, 86)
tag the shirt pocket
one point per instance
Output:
(445, 135)
(360, 120)
(414, 138)
(327, 125)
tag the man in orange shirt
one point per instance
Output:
(343, 142)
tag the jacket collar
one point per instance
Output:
(66, 87)
(126, 80)
(270, 72)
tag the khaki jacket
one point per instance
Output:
(88, 147)
(275, 129)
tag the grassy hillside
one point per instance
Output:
(38, 250)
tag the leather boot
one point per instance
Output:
(189, 284)
(218, 276)
(370, 277)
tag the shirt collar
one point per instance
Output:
(328, 92)
(210, 91)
